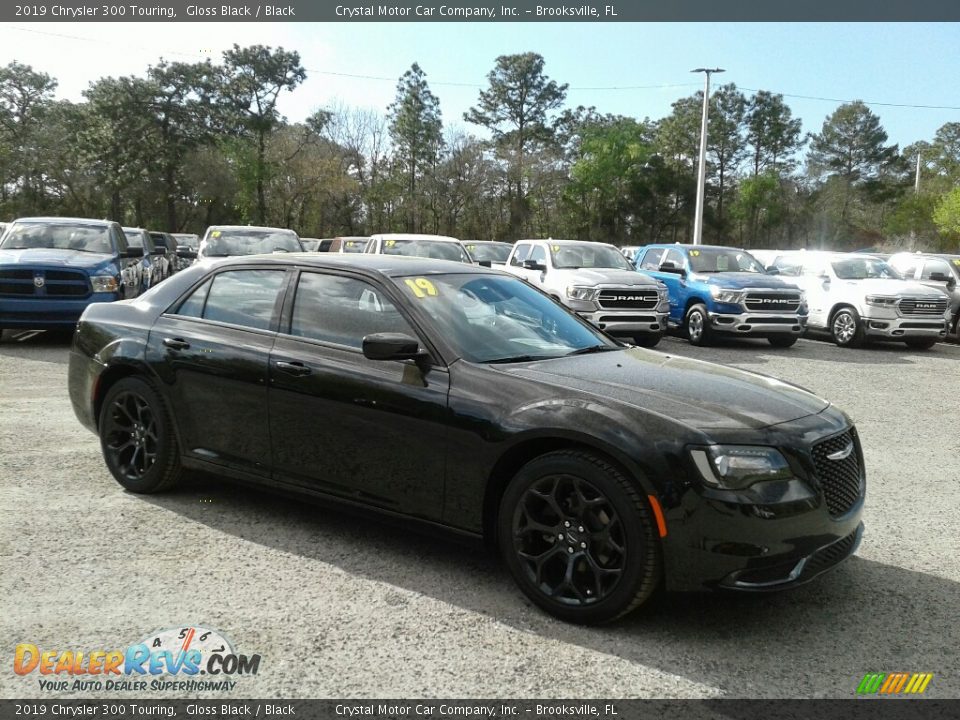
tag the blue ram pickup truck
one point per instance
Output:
(717, 290)
(52, 268)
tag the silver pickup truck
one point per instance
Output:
(597, 282)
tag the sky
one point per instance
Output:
(634, 69)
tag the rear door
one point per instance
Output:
(676, 284)
(369, 430)
(212, 351)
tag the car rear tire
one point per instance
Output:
(846, 328)
(921, 343)
(579, 538)
(784, 341)
(647, 340)
(137, 438)
(698, 326)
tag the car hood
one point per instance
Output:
(588, 276)
(880, 286)
(701, 395)
(53, 257)
(741, 280)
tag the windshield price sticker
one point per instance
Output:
(390, 243)
(215, 233)
(421, 287)
(556, 248)
(694, 253)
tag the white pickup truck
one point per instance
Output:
(597, 282)
(855, 297)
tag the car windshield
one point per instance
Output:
(439, 249)
(494, 252)
(159, 240)
(719, 260)
(250, 241)
(588, 255)
(59, 236)
(498, 319)
(190, 241)
(134, 237)
(863, 268)
(354, 246)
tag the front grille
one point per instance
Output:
(923, 306)
(840, 479)
(827, 557)
(20, 282)
(630, 299)
(772, 301)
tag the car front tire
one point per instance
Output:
(698, 326)
(137, 438)
(579, 538)
(846, 328)
(647, 340)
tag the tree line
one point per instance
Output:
(193, 144)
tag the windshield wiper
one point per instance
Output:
(519, 358)
(592, 349)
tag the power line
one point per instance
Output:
(445, 83)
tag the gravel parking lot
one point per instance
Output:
(340, 606)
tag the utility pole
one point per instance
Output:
(916, 183)
(702, 167)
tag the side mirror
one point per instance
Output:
(772, 270)
(951, 283)
(485, 263)
(534, 265)
(186, 252)
(392, 346)
(939, 277)
(670, 267)
(132, 252)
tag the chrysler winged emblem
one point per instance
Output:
(842, 454)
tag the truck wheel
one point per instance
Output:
(578, 537)
(846, 329)
(921, 343)
(784, 341)
(647, 340)
(698, 325)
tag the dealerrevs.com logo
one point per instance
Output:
(180, 659)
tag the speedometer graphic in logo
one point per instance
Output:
(184, 639)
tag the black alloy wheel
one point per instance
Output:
(136, 436)
(579, 538)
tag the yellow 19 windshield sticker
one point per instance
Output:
(421, 287)
(390, 243)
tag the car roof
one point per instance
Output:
(555, 241)
(691, 246)
(485, 242)
(249, 227)
(372, 263)
(66, 220)
(413, 236)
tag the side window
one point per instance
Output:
(788, 266)
(674, 256)
(521, 253)
(651, 260)
(815, 268)
(539, 254)
(193, 305)
(935, 265)
(244, 297)
(119, 239)
(342, 310)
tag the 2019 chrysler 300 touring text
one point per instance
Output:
(462, 397)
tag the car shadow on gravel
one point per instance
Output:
(759, 352)
(817, 640)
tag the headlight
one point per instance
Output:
(577, 292)
(881, 300)
(726, 296)
(664, 293)
(104, 283)
(733, 467)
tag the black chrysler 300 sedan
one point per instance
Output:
(465, 398)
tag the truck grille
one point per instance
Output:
(840, 478)
(769, 301)
(611, 299)
(21, 282)
(923, 306)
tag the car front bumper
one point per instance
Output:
(39, 313)
(902, 327)
(627, 322)
(761, 541)
(754, 323)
